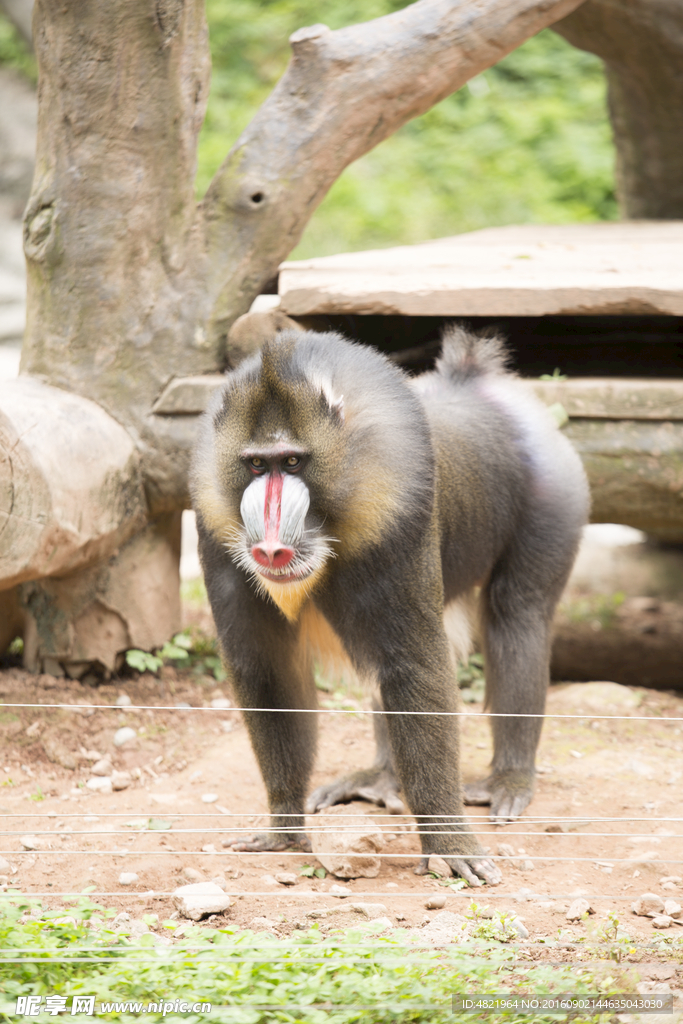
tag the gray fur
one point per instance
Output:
(425, 490)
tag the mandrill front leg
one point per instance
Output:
(284, 743)
(378, 784)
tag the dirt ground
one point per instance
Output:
(616, 783)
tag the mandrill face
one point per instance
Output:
(278, 544)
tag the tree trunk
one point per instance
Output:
(641, 42)
(131, 284)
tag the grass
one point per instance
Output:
(249, 977)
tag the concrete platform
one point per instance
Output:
(632, 268)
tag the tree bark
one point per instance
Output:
(342, 94)
(641, 42)
(131, 284)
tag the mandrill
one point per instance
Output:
(344, 506)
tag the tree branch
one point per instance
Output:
(342, 94)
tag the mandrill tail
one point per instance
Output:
(465, 355)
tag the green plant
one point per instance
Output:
(308, 871)
(471, 679)
(554, 376)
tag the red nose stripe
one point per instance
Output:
(273, 507)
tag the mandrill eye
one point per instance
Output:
(292, 463)
(257, 465)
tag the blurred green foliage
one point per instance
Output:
(15, 52)
(528, 141)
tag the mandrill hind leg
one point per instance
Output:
(519, 603)
(378, 784)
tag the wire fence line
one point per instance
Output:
(346, 711)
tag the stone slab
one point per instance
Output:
(632, 268)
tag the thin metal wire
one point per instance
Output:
(347, 711)
(325, 830)
(289, 891)
(331, 853)
(393, 819)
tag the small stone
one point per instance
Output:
(221, 702)
(209, 848)
(124, 735)
(30, 843)
(676, 879)
(128, 878)
(209, 798)
(669, 886)
(317, 913)
(123, 701)
(439, 866)
(192, 875)
(102, 767)
(5, 866)
(100, 784)
(286, 878)
(662, 921)
(578, 908)
(672, 909)
(260, 924)
(121, 780)
(348, 852)
(525, 864)
(520, 928)
(200, 899)
(648, 904)
(340, 891)
(505, 850)
(220, 881)
(372, 911)
(435, 902)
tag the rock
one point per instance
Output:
(200, 899)
(5, 866)
(123, 701)
(221, 702)
(340, 892)
(578, 908)
(220, 881)
(209, 798)
(661, 921)
(348, 853)
(520, 927)
(317, 913)
(525, 864)
(31, 843)
(675, 879)
(100, 784)
(438, 865)
(128, 878)
(138, 928)
(672, 909)
(669, 886)
(209, 848)
(192, 875)
(435, 902)
(121, 780)
(102, 767)
(648, 904)
(286, 878)
(263, 924)
(121, 920)
(124, 735)
(372, 911)
(506, 850)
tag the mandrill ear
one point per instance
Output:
(335, 405)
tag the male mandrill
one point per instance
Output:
(341, 504)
